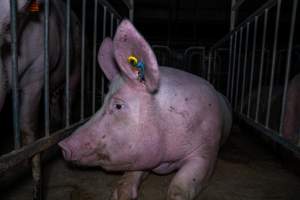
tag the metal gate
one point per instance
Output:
(258, 66)
(110, 18)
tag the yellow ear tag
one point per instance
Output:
(132, 60)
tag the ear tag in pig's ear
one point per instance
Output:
(34, 7)
(139, 66)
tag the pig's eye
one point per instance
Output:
(118, 106)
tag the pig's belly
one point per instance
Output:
(167, 167)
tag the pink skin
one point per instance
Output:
(30, 33)
(172, 121)
(291, 127)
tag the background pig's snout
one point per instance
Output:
(66, 151)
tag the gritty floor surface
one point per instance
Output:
(245, 170)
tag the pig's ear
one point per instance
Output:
(129, 42)
(106, 59)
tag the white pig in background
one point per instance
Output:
(291, 127)
(30, 55)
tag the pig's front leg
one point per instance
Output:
(191, 178)
(127, 188)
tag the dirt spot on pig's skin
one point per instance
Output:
(102, 156)
(183, 114)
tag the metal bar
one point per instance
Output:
(15, 85)
(82, 60)
(46, 68)
(273, 63)
(237, 5)
(244, 68)
(229, 67)
(270, 133)
(13, 158)
(37, 177)
(209, 67)
(131, 11)
(214, 70)
(111, 24)
(110, 8)
(252, 66)
(232, 15)
(94, 56)
(233, 67)
(67, 91)
(203, 61)
(103, 35)
(238, 69)
(288, 64)
(258, 12)
(261, 63)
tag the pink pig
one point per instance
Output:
(291, 126)
(172, 120)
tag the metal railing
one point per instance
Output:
(32, 151)
(252, 84)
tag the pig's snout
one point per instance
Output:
(66, 150)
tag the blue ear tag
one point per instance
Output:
(139, 66)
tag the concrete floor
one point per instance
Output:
(245, 170)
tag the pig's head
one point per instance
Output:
(5, 18)
(124, 134)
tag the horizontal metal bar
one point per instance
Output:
(13, 158)
(257, 13)
(270, 133)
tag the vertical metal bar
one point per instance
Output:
(111, 24)
(273, 63)
(288, 64)
(82, 60)
(103, 35)
(261, 63)
(245, 67)
(229, 67)
(214, 69)
(131, 11)
(203, 62)
(46, 67)
(15, 85)
(252, 66)
(209, 66)
(94, 56)
(233, 15)
(67, 91)
(238, 68)
(233, 67)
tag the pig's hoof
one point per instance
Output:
(177, 193)
(124, 191)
